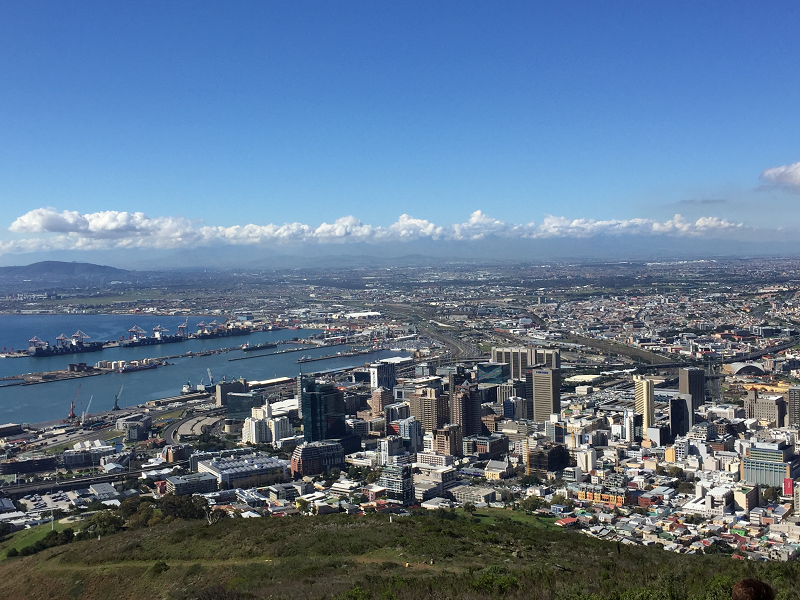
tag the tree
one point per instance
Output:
(469, 507)
(676, 472)
(770, 495)
(301, 504)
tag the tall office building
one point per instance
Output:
(793, 405)
(448, 440)
(430, 408)
(454, 379)
(382, 374)
(323, 412)
(549, 357)
(411, 431)
(519, 358)
(465, 409)
(681, 415)
(381, 398)
(644, 392)
(510, 390)
(693, 381)
(543, 386)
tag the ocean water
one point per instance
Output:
(50, 401)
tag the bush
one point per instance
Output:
(12, 553)
(159, 567)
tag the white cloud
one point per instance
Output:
(118, 229)
(786, 175)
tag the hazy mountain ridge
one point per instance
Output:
(60, 270)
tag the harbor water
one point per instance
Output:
(50, 401)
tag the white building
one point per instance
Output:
(256, 431)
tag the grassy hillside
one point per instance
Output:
(337, 556)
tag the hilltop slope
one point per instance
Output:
(366, 557)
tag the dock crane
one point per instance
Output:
(183, 328)
(210, 377)
(86, 412)
(116, 398)
(72, 416)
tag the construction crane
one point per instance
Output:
(86, 412)
(116, 398)
(71, 416)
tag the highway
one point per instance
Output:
(169, 430)
(17, 491)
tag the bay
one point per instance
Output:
(51, 401)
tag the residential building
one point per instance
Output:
(399, 483)
(256, 431)
(316, 457)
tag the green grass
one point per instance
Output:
(501, 515)
(26, 537)
(500, 555)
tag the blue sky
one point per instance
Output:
(207, 116)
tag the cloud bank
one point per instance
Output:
(784, 176)
(48, 229)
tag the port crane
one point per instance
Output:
(71, 416)
(85, 413)
(183, 328)
(116, 398)
(210, 377)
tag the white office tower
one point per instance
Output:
(644, 392)
(256, 431)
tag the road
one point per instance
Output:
(169, 430)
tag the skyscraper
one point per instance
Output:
(519, 358)
(543, 386)
(681, 415)
(381, 398)
(549, 357)
(645, 401)
(465, 408)
(693, 381)
(793, 405)
(448, 440)
(382, 374)
(430, 408)
(323, 411)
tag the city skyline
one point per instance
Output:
(276, 127)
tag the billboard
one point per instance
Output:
(788, 487)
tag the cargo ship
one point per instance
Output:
(132, 368)
(75, 344)
(138, 336)
(265, 346)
